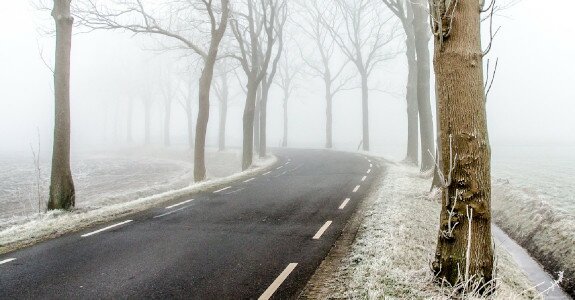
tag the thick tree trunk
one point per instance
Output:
(422, 35)
(248, 122)
(130, 113)
(263, 111)
(464, 249)
(257, 126)
(62, 192)
(223, 114)
(365, 110)
(328, 114)
(167, 121)
(285, 138)
(412, 106)
(147, 116)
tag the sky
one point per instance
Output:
(531, 103)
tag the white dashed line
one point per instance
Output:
(279, 280)
(221, 190)
(106, 228)
(266, 173)
(371, 165)
(171, 212)
(179, 204)
(321, 230)
(342, 206)
(356, 188)
(6, 261)
(233, 192)
(289, 162)
(363, 178)
(246, 181)
(368, 171)
(279, 167)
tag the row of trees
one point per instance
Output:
(356, 30)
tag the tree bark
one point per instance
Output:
(422, 36)
(464, 250)
(257, 126)
(412, 155)
(248, 123)
(263, 110)
(365, 110)
(62, 192)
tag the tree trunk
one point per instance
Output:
(130, 113)
(412, 155)
(464, 249)
(257, 120)
(328, 114)
(62, 192)
(167, 121)
(147, 121)
(223, 114)
(263, 110)
(422, 35)
(248, 123)
(365, 110)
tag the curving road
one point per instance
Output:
(258, 238)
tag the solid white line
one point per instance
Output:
(342, 206)
(356, 188)
(266, 173)
(363, 178)
(249, 180)
(178, 204)
(279, 167)
(279, 280)
(321, 230)
(7, 260)
(106, 228)
(221, 190)
(368, 171)
(171, 212)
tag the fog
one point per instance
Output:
(530, 102)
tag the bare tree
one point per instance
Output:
(464, 249)
(359, 29)
(324, 45)
(186, 21)
(288, 70)
(248, 25)
(62, 192)
(422, 36)
(403, 11)
(221, 87)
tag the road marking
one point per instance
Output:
(221, 190)
(106, 228)
(233, 192)
(266, 173)
(171, 212)
(289, 162)
(321, 230)
(363, 178)
(371, 165)
(369, 160)
(368, 171)
(6, 261)
(279, 167)
(246, 181)
(342, 206)
(279, 280)
(356, 188)
(179, 204)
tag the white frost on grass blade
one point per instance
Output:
(395, 243)
(55, 223)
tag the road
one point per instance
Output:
(260, 237)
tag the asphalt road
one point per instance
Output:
(260, 237)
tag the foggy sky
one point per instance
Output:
(532, 100)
